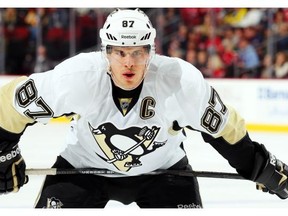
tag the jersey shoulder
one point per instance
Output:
(82, 62)
(82, 70)
(75, 80)
(175, 69)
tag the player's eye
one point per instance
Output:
(120, 53)
(137, 53)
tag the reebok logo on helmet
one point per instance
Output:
(128, 36)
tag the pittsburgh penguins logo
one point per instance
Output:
(54, 203)
(124, 148)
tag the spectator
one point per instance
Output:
(10, 18)
(215, 66)
(31, 21)
(192, 16)
(191, 56)
(182, 35)
(171, 25)
(252, 17)
(202, 60)
(43, 63)
(282, 37)
(281, 65)
(229, 55)
(16, 40)
(267, 68)
(232, 16)
(248, 62)
(174, 48)
(58, 18)
(217, 31)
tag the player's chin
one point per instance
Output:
(131, 85)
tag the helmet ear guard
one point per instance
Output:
(127, 28)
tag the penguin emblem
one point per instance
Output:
(54, 203)
(124, 148)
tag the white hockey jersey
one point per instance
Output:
(143, 139)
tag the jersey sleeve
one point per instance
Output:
(43, 96)
(204, 110)
(11, 120)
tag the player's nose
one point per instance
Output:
(128, 61)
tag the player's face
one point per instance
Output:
(128, 65)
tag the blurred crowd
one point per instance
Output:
(221, 42)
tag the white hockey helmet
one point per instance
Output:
(127, 28)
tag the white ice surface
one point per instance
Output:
(41, 144)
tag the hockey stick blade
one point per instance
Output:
(95, 171)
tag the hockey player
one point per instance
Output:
(130, 109)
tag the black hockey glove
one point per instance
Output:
(273, 176)
(12, 168)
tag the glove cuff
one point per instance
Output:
(273, 175)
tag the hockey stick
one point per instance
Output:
(128, 151)
(59, 171)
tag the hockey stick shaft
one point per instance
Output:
(59, 171)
